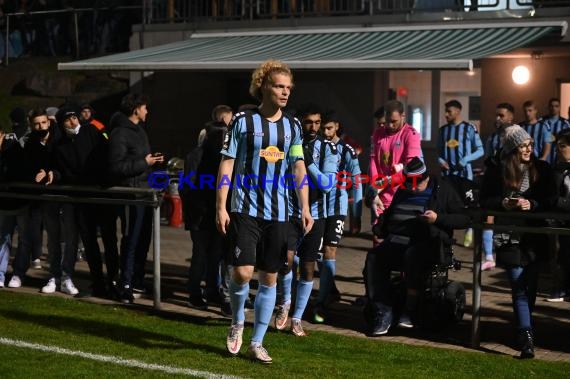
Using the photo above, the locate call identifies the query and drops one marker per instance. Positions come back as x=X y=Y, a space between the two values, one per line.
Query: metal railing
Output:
x=97 y=195
x=171 y=11
x=479 y=224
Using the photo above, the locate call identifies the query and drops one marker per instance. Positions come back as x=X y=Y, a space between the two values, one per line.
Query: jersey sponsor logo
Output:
x=452 y=143
x=386 y=157
x=271 y=154
x=258 y=134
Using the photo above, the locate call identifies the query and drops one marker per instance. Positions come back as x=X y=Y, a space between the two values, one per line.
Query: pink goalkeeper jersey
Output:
x=388 y=150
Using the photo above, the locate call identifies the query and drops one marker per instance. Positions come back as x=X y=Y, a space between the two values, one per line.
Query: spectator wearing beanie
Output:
x=517 y=181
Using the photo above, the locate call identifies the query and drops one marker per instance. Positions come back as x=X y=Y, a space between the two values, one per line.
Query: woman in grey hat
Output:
x=517 y=181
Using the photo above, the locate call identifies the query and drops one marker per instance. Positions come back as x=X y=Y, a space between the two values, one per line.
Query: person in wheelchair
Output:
x=416 y=232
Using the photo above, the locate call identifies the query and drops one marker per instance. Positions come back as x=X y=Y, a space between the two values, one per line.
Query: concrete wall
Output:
x=497 y=86
x=181 y=102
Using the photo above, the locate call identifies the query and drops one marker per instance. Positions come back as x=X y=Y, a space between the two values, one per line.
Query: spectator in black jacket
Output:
x=200 y=216
x=516 y=180
x=28 y=160
x=79 y=157
x=561 y=286
x=417 y=232
x=130 y=160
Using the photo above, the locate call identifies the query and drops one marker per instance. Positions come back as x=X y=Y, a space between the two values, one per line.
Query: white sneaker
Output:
x=49 y=287
x=37 y=264
x=15 y=282
x=2 y=283
x=68 y=287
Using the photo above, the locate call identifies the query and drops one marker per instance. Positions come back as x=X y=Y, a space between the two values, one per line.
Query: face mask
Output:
x=40 y=134
x=72 y=131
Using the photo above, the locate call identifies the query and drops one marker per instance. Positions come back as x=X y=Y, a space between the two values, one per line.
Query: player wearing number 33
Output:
x=322 y=164
x=337 y=210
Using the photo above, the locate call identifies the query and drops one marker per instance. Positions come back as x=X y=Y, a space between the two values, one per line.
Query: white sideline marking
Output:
x=114 y=360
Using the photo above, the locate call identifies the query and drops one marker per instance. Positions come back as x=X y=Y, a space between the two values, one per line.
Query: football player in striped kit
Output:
x=459 y=144
x=556 y=124
x=321 y=161
x=259 y=146
x=538 y=130
x=337 y=210
x=504 y=116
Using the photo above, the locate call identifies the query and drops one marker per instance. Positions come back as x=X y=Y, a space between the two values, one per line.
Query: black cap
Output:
x=65 y=113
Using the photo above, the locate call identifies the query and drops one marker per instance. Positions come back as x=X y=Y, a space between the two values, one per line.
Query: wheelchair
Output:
x=442 y=301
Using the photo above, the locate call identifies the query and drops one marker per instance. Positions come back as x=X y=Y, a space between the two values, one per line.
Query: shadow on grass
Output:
x=551 y=333
x=133 y=336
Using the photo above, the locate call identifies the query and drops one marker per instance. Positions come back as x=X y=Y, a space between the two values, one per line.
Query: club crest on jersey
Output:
x=271 y=154
x=452 y=143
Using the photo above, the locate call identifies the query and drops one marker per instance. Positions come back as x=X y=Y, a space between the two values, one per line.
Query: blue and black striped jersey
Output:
x=348 y=168
x=263 y=150
x=321 y=177
x=459 y=145
x=555 y=125
x=493 y=144
x=540 y=133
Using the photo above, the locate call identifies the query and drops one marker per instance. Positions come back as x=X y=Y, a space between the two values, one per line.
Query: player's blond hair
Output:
x=263 y=75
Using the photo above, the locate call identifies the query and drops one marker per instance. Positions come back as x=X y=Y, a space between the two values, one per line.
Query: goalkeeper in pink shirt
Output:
x=394 y=144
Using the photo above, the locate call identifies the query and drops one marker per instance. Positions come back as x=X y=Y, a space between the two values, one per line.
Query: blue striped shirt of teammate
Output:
x=257 y=142
x=538 y=130
x=504 y=117
x=337 y=210
x=556 y=124
x=321 y=160
x=459 y=143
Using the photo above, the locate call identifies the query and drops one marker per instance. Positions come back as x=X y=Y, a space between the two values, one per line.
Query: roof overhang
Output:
x=442 y=46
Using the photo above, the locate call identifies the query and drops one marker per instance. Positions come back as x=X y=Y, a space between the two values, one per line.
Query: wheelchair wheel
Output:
x=455 y=301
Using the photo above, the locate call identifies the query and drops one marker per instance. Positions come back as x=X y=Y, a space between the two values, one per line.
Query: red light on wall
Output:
x=402 y=92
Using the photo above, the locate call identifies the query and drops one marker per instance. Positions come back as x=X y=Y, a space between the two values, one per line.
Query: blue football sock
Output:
x=238 y=295
x=327 y=279
x=264 y=304
x=488 y=243
x=284 y=282
x=303 y=293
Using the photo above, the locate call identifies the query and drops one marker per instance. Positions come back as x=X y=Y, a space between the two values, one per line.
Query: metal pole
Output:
x=75 y=22
x=156 y=257
x=475 y=328
x=7 y=41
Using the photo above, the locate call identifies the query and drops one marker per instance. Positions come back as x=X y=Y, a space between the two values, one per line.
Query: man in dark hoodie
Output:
x=200 y=212
x=79 y=157
x=130 y=160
